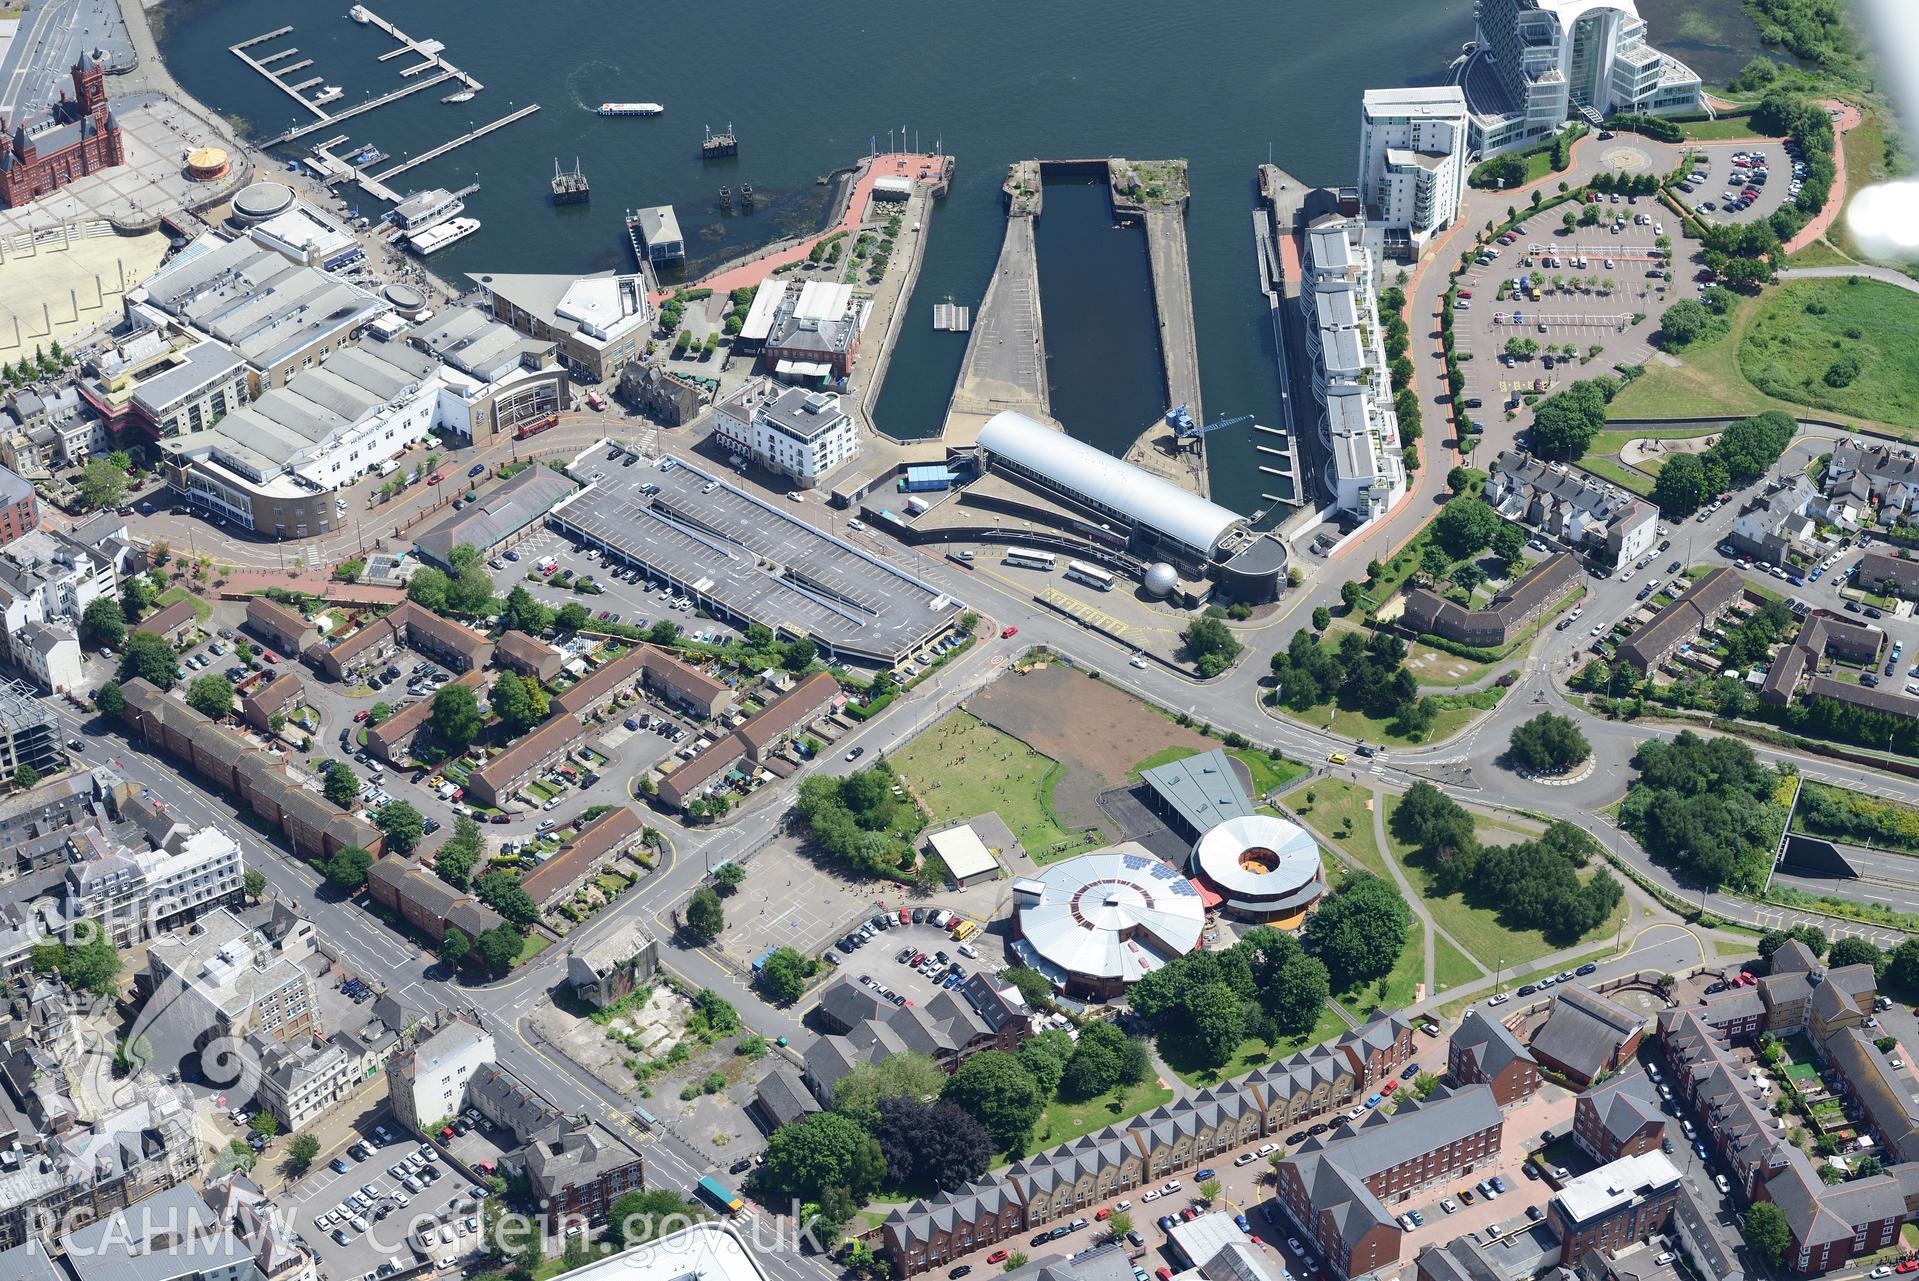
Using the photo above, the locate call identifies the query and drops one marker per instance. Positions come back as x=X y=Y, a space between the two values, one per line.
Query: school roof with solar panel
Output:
x=1114 y=915
x=746 y=559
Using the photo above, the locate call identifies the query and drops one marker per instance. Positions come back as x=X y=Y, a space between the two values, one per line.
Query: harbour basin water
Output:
x=1224 y=83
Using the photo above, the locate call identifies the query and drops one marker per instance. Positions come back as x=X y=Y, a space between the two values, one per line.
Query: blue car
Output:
x=1372 y=1100
x=1244 y=1226
x=1499 y=1184
x=339 y=1165
x=1202 y=1176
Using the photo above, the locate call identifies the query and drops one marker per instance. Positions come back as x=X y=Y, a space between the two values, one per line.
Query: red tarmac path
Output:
x=894 y=164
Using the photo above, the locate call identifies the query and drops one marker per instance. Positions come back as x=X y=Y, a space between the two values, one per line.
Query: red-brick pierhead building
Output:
x=77 y=136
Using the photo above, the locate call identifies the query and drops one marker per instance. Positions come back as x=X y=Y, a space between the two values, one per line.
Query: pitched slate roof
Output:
x=1583 y=1030
x=1491 y=1043
x=1624 y=1104
x=1885 y=1092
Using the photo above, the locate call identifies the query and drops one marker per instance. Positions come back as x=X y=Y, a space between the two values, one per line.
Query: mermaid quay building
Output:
x=76 y=137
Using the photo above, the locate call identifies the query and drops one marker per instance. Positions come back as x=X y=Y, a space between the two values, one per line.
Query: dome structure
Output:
x=1161 y=578
x=1263 y=868
x=1097 y=923
x=260 y=201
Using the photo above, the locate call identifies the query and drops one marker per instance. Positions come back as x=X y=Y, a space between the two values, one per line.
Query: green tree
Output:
x=729 y=876
x=265 y=1124
x=997 y=1090
x=102 y=484
x=1549 y=744
x=1680 y=488
x=783 y=975
x=571 y=617
x=1509 y=542
x=349 y=570
x=500 y=947
x=1351 y=595
x=456 y=717
x=342 y=785
x=1322 y=618
x=301 y=1151
x=254 y=882
x=25 y=776
x=457 y=855
x=502 y=891
x=151 y=659
x=1854 y=950
x=403 y=826
x=522 y=613
x=638 y=1217
x=911 y=1076
x=136 y=597
x=1465 y=526
x=347 y=869
x=211 y=695
x=110 y=699
x=1360 y=929
x=1903 y=965
x=705 y=915
x=1685 y=323
x=1767 y=1232
x=820 y=1151
x=1212 y=645
x=89 y=961
x=455 y=946
x=102 y=623
x=519 y=702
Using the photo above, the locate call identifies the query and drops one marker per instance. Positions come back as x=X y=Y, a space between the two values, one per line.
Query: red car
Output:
x=436 y=478
x=1389 y=1087
x=1009 y=632
x=997 y=1256
x=1910 y=1265
x=270 y=656
x=1465 y=293
x=1163 y=1274
x=359 y=716
x=1102 y=1214
x=906 y=916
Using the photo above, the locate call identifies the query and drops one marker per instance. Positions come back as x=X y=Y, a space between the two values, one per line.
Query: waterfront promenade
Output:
x=928 y=171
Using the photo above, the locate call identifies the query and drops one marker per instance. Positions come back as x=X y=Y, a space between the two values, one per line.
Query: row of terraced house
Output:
x=1060 y=1182
x=1718 y=1077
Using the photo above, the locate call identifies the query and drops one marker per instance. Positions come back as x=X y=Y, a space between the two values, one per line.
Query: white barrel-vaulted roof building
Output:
x=1163 y=519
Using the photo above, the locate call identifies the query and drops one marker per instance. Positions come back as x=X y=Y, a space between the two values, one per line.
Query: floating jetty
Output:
x=460 y=141
x=719 y=144
x=569 y=186
x=431 y=69
x=951 y=318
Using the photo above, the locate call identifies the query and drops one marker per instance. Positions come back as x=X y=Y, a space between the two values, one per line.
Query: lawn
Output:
x=1401 y=983
x=1063 y=1121
x=1339 y=813
x=1020 y=792
x=1820 y=253
x=1719 y=130
x=1865 y=148
x=1608 y=467
x=1804 y=326
x=1451 y=967
x=201 y=609
x=1711 y=379
x=1362 y=728
x=1253 y=1052
x=1494 y=944
x=531 y=946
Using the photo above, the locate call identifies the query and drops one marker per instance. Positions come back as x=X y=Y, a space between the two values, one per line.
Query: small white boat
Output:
x=360 y=14
x=436 y=238
x=631 y=108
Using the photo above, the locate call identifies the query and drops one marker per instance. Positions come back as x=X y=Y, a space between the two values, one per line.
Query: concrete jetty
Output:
x=1154 y=192
x=1005 y=363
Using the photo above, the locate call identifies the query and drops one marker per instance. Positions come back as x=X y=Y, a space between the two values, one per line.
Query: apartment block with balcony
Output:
x=1536 y=64
x=1412 y=160
x=1339 y=295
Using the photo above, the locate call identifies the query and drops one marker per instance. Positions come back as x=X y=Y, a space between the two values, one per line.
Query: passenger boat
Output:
x=631 y=108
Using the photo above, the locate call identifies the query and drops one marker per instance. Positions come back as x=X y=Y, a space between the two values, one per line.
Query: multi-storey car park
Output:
x=746 y=561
